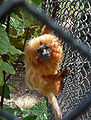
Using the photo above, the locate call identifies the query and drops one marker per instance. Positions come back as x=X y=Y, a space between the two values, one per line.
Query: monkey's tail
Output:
x=55 y=107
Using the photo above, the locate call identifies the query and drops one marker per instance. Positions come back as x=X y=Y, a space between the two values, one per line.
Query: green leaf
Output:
x=5 y=46
x=16 y=22
x=42 y=116
x=4 y=66
x=30 y=117
x=13 y=50
x=14 y=111
x=39 y=110
x=8 y=68
x=11 y=87
x=1 y=78
x=6 y=92
x=4 y=41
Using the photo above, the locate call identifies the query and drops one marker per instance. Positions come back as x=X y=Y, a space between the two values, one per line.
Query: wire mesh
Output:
x=75 y=17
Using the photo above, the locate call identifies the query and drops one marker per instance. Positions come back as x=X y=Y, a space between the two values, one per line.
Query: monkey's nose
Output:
x=45 y=56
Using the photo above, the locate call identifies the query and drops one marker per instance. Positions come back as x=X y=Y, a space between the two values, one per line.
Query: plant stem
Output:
x=4 y=59
x=3 y=91
x=26 y=38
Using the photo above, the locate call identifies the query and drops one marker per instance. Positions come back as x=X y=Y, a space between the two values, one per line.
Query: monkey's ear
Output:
x=46 y=30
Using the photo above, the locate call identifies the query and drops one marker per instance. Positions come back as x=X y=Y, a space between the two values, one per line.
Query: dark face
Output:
x=44 y=52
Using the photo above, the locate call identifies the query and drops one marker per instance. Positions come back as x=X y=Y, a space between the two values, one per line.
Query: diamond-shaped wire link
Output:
x=75 y=17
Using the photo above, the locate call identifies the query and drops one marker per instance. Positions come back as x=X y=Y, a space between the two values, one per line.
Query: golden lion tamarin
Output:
x=42 y=58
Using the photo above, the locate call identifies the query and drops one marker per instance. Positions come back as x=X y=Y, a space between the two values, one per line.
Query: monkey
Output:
x=43 y=56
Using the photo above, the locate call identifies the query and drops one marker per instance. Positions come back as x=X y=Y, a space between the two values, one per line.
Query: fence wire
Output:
x=74 y=16
x=7 y=115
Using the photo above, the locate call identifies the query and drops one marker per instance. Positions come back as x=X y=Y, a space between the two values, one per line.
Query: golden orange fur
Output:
x=46 y=30
x=42 y=75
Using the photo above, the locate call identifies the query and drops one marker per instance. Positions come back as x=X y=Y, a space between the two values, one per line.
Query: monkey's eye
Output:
x=47 y=47
x=40 y=50
x=42 y=47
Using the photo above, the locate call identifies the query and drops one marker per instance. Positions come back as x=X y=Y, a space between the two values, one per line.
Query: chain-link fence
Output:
x=75 y=18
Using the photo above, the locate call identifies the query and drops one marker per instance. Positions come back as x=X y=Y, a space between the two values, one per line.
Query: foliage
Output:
x=5 y=46
x=7 y=91
x=15 y=30
x=38 y=112
x=21 y=27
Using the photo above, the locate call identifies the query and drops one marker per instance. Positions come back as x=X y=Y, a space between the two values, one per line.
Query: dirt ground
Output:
x=21 y=96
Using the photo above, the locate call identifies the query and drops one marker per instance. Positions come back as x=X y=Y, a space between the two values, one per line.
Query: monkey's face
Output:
x=44 y=52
